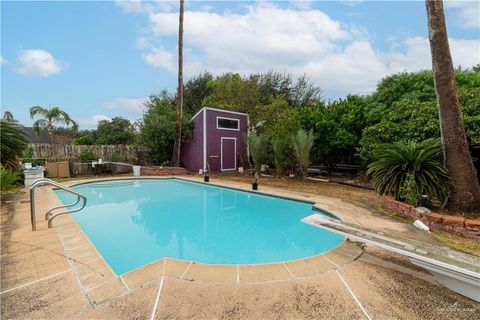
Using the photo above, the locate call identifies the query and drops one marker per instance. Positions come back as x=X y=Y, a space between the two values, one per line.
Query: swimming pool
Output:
x=135 y=222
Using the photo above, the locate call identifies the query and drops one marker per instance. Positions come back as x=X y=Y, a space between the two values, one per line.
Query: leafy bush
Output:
x=14 y=143
x=8 y=179
x=400 y=166
x=302 y=144
x=88 y=155
x=257 y=144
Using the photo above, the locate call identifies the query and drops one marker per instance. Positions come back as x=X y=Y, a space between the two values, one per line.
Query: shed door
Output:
x=229 y=154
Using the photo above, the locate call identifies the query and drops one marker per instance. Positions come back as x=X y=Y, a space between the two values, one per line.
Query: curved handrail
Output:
x=49 y=212
x=49 y=215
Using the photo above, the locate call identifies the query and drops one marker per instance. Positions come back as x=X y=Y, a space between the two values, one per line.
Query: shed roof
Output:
x=221 y=110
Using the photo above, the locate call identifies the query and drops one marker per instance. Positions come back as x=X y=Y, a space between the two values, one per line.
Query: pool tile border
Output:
x=100 y=284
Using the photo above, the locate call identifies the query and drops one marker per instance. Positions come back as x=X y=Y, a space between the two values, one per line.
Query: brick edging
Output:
x=459 y=225
x=162 y=171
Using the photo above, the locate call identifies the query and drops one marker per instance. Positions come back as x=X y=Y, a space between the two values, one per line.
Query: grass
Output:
x=459 y=243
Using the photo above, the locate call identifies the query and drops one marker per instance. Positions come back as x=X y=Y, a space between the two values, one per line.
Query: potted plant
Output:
x=257 y=147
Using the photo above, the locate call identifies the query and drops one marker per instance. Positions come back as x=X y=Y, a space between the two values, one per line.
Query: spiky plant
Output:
x=50 y=117
x=397 y=164
x=280 y=146
x=257 y=145
x=14 y=142
x=302 y=144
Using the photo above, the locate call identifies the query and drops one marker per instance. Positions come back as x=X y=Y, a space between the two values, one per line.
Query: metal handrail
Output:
x=49 y=215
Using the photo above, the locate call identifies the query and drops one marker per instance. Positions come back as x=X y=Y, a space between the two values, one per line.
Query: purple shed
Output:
x=218 y=139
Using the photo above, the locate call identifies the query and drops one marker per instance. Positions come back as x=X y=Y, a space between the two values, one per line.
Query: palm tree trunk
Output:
x=178 y=125
x=465 y=196
x=50 y=133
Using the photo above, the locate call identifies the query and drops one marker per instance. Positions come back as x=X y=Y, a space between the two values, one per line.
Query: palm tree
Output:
x=14 y=143
x=395 y=162
x=465 y=196
x=50 y=117
x=7 y=115
x=178 y=124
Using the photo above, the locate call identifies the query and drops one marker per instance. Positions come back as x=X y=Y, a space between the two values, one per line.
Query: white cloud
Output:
x=2 y=60
x=416 y=55
x=160 y=58
x=127 y=104
x=263 y=36
x=37 y=63
x=91 y=122
x=468 y=12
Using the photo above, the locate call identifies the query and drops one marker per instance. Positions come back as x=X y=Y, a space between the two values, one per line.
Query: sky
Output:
x=101 y=59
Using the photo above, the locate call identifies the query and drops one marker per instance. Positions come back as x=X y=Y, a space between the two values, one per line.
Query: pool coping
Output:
x=101 y=284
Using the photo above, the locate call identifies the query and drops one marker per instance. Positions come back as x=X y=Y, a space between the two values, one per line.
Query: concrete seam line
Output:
x=238 y=273
x=123 y=281
x=184 y=272
x=158 y=299
x=286 y=267
x=33 y=282
x=336 y=265
x=353 y=295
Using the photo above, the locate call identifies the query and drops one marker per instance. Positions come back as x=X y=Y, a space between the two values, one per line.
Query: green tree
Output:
x=50 y=118
x=157 y=128
x=337 y=128
x=116 y=131
x=411 y=119
x=14 y=142
x=195 y=91
x=85 y=137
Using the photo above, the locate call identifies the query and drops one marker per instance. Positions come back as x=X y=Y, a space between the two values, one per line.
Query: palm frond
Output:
x=14 y=142
x=423 y=161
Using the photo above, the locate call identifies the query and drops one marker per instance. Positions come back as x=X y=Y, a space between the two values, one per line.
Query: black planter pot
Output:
x=254 y=186
x=206 y=178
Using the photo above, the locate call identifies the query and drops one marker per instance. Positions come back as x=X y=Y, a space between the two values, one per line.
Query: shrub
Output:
x=280 y=146
x=87 y=155
x=410 y=171
x=257 y=144
x=302 y=144
x=8 y=179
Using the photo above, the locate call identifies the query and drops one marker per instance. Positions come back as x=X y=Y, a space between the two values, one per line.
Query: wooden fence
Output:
x=120 y=153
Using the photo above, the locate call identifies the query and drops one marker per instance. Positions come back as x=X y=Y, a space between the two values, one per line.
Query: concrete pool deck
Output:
x=57 y=274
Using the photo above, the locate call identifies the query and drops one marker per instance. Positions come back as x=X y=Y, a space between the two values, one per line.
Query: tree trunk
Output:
x=50 y=133
x=465 y=196
x=178 y=125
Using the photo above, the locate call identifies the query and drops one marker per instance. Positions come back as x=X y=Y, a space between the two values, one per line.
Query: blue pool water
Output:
x=135 y=222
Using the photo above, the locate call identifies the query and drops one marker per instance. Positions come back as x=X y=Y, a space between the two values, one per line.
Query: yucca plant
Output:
x=280 y=146
x=405 y=167
x=257 y=145
x=302 y=144
x=14 y=142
